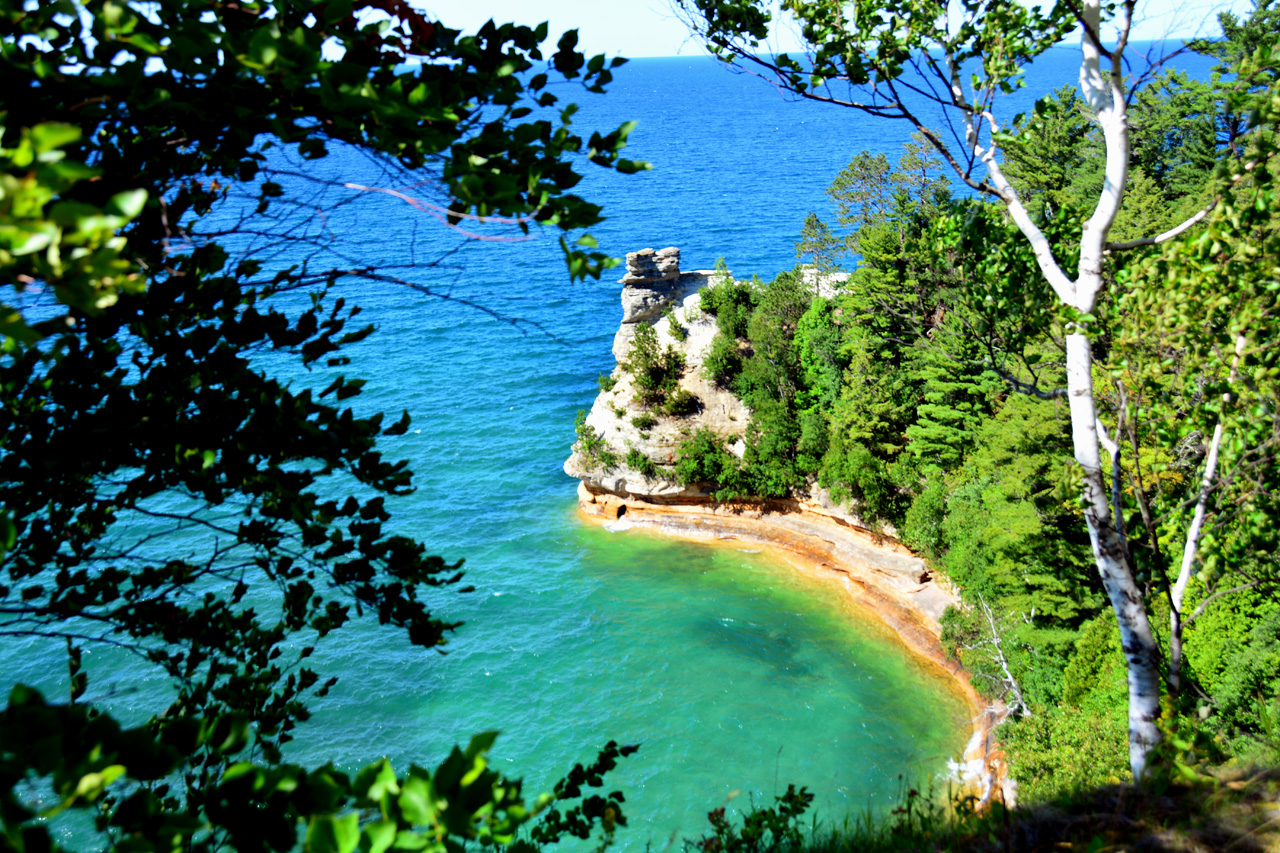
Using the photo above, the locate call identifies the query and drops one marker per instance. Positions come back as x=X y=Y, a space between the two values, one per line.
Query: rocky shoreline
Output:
x=814 y=534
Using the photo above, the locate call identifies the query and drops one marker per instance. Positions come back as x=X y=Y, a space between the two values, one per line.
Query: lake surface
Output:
x=733 y=671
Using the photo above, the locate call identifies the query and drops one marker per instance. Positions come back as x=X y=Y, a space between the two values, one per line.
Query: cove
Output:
x=733 y=671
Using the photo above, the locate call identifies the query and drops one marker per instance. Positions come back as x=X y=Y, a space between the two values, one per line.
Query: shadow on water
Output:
x=764 y=645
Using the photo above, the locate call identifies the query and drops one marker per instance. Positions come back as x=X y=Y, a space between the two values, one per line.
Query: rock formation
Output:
x=652 y=283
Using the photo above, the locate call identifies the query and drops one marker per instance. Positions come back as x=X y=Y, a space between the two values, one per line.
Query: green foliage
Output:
x=852 y=472
x=91 y=761
x=637 y=461
x=129 y=129
x=1058 y=752
x=764 y=830
x=1233 y=648
x=73 y=247
x=592 y=444
x=819 y=247
x=956 y=399
x=922 y=529
x=1053 y=157
x=681 y=403
x=729 y=301
x=644 y=421
x=605 y=383
x=655 y=371
x=723 y=361
x=819 y=338
x=703 y=458
x=1081 y=741
x=677 y=331
x=579 y=819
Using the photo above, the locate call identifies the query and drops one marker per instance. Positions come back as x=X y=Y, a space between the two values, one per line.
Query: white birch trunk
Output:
x=1141 y=654
x=1103 y=91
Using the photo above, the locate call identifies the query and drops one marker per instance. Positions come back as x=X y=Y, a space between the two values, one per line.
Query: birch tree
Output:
x=905 y=59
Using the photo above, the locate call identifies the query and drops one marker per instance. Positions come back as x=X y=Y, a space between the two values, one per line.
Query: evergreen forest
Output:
x=927 y=389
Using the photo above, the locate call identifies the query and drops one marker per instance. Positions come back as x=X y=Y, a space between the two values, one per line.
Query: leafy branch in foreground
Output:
x=90 y=760
x=164 y=227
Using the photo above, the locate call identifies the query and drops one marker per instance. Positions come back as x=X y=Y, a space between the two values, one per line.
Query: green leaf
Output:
x=417 y=800
x=328 y=834
x=50 y=135
x=127 y=204
x=630 y=167
x=379 y=836
x=263 y=47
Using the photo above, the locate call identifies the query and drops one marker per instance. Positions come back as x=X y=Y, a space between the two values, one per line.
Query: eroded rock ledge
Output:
x=815 y=533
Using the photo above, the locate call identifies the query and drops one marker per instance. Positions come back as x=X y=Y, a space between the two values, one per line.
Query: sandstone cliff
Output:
x=653 y=284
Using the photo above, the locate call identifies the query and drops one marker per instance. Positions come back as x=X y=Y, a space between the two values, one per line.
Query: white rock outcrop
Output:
x=653 y=284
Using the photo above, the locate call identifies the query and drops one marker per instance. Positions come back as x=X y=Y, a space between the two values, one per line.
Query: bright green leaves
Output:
x=329 y=834
x=586 y=264
x=1203 y=296
x=87 y=756
x=47 y=239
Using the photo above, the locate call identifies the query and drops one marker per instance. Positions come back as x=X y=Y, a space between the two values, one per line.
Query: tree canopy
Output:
x=161 y=490
x=1084 y=190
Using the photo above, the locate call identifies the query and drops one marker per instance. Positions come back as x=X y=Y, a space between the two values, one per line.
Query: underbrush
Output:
x=1229 y=809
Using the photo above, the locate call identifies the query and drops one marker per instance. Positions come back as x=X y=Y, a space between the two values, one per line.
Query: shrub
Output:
x=730 y=302
x=606 y=382
x=703 y=458
x=644 y=421
x=637 y=461
x=592 y=445
x=681 y=404
x=656 y=371
x=723 y=362
x=677 y=331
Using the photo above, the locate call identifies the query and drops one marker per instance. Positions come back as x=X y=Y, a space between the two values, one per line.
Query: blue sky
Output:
x=650 y=27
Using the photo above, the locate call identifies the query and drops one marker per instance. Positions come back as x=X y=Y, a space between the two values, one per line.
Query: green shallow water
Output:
x=734 y=671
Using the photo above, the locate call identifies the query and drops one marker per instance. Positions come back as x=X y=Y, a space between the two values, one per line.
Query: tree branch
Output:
x=1219 y=594
x=1206 y=483
x=1004 y=664
x=1191 y=221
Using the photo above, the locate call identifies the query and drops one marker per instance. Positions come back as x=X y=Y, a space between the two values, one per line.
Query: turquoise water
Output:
x=733 y=671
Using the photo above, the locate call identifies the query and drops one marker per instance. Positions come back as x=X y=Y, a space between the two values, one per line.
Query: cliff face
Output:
x=655 y=291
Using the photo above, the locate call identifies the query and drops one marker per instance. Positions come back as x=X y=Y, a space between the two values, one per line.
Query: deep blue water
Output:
x=731 y=670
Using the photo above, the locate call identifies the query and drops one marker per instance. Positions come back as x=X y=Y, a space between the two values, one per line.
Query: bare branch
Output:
x=1010 y=681
x=1185 y=572
x=1219 y=594
x=1191 y=221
